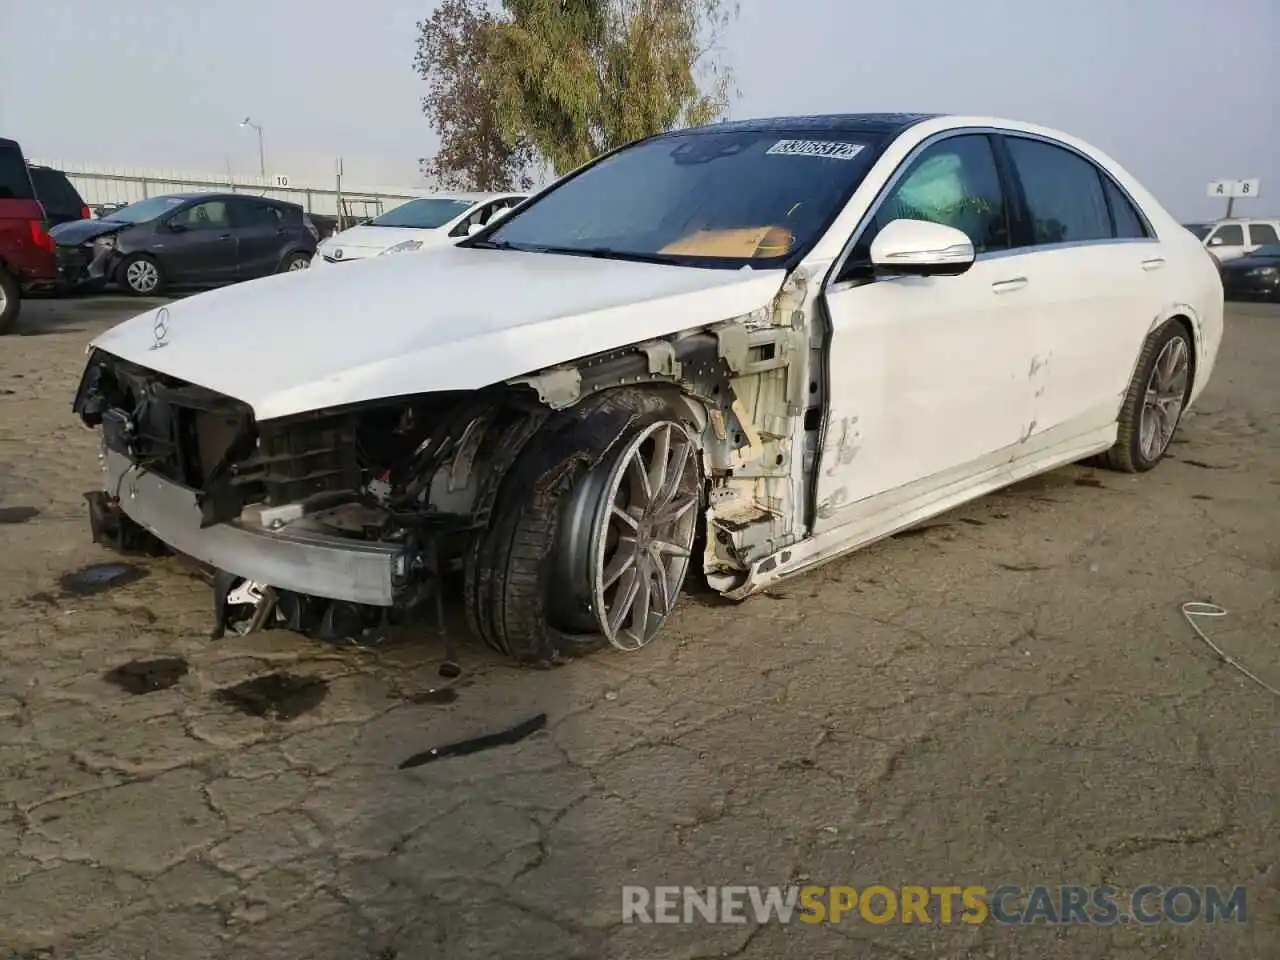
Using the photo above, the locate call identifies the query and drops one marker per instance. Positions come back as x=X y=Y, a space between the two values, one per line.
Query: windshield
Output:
x=424 y=214
x=1267 y=250
x=715 y=199
x=145 y=210
x=1201 y=230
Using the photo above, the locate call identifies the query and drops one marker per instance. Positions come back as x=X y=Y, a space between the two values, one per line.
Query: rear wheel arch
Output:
x=1126 y=454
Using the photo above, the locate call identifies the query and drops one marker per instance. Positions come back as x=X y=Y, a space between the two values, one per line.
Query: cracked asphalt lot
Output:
x=1009 y=696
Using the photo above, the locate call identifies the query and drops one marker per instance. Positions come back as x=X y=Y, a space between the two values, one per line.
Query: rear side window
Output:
x=250 y=214
x=15 y=182
x=1129 y=225
x=1261 y=233
x=55 y=192
x=1231 y=235
x=1064 y=194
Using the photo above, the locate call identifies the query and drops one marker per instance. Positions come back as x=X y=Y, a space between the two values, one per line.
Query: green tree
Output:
x=557 y=82
x=474 y=153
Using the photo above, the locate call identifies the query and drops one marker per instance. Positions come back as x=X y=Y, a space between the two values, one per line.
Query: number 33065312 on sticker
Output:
x=830 y=149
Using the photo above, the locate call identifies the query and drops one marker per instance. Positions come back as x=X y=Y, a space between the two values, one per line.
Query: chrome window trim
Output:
x=831 y=286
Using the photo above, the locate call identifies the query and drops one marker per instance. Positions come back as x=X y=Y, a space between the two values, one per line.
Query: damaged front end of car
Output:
x=344 y=520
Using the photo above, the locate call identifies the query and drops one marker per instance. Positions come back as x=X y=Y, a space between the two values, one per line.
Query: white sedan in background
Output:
x=417 y=225
x=798 y=335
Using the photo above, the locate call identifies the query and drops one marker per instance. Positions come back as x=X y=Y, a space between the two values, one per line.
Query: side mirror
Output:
x=474 y=228
x=1215 y=241
x=923 y=249
x=176 y=227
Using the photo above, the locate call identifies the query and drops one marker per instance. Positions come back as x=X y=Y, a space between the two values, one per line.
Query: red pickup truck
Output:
x=27 y=253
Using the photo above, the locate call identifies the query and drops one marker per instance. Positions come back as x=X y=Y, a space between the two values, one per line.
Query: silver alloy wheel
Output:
x=299 y=263
x=142 y=276
x=4 y=300
x=1162 y=404
x=643 y=538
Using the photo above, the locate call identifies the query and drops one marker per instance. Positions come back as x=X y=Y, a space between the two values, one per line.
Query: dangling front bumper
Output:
x=294 y=556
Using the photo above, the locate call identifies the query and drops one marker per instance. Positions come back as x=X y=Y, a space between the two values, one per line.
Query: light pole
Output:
x=262 y=162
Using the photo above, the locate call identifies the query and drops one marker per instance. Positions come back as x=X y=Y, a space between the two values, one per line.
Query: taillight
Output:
x=86 y=213
x=311 y=228
x=40 y=236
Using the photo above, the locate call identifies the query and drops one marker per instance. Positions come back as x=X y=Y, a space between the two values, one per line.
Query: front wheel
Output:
x=141 y=276
x=295 y=261
x=1155 y=400
x=592 y=534
x=10 y=300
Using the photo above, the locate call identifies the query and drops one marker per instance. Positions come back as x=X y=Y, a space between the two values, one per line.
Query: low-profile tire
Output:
x=295 y=261
x=10 y=300
x=141 y=276
x=528 y=574
x=1155 y=400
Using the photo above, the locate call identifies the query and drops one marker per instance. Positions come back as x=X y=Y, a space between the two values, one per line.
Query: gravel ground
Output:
x=1008 y=696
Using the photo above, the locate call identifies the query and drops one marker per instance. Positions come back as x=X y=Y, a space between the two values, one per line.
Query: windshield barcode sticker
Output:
x=832 y=150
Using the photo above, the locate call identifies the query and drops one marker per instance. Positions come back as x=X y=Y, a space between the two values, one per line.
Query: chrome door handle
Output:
x=1155 y=263
x=1008 y=286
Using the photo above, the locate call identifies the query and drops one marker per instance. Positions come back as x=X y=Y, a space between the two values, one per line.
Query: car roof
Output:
x=873 y=124
x=206 y=195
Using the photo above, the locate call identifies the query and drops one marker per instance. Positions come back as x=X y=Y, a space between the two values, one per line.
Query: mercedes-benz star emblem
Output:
x=160 y=329
x=337 y=254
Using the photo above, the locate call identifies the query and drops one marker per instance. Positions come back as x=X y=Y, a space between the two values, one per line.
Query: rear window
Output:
x=55 y=192
x=15 y=183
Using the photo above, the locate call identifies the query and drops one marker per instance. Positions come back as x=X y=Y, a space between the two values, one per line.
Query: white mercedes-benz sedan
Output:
x=420 y=224
x=749 y=348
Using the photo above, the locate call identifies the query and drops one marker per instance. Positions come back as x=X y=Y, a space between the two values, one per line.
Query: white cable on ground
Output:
x=1195 y=608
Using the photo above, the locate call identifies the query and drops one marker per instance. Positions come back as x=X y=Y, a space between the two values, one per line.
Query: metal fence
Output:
x=107 y=185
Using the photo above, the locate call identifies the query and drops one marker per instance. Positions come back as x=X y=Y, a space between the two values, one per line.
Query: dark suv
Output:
x=186 y=238
x=61 y=201
x=26 y=249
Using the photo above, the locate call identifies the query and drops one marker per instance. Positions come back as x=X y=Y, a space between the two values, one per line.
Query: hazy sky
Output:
x=1179 y=91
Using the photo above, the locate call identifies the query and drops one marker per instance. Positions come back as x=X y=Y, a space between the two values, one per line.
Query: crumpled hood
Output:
x=80 y=231
x=450 y=319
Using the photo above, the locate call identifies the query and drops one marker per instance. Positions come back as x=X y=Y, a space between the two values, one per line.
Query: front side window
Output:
x=954 y=182
x=210 y=215
x=1231 y=235
x=1064 y=193
x=721 y=199
x=429 y=213
x=1261 y=233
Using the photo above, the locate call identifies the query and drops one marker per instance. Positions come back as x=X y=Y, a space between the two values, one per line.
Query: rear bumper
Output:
x=293 y=557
